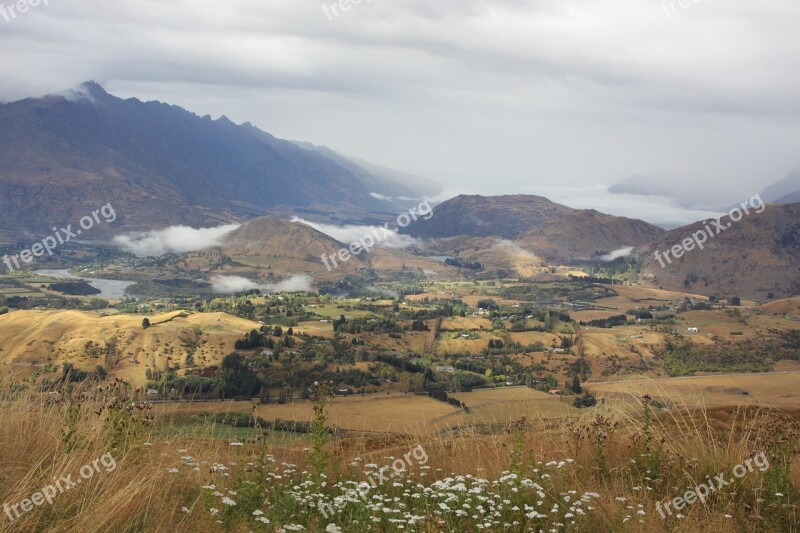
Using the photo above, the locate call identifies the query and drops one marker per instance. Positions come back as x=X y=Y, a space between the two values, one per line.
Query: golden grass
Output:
x=732 y=390
x=142 y=493
x=37 y=337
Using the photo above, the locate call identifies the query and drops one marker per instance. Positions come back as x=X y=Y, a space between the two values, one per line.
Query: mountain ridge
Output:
x=161 y=165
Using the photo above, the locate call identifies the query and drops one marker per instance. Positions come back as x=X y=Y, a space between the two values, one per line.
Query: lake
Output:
x=113 y=289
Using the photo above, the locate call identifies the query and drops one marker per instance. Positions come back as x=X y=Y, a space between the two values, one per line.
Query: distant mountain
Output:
x=644 y=186
x=63 y=156
x=752 y=258
x=793 y=198
x=586 y=235
x=683 y=192
x=398 y=187
x=785 y=191
x=487 y=216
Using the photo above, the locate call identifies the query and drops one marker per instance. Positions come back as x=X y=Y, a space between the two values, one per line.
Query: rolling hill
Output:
x=487 y=216
x=586 y=235
x=756 y=258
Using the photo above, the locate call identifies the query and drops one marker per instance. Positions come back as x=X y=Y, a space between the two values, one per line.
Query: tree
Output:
x=278 y=331
x=236 y=378
x=290 y=331
x=736 y=300
x=145 y=323
x=576 y=385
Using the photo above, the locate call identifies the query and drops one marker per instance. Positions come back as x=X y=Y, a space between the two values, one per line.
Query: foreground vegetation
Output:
x=603 y=469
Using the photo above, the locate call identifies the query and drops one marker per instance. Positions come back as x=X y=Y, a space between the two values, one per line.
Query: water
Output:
x=109 y=288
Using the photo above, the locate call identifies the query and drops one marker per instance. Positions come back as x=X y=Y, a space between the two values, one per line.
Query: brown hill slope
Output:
x=752 y=258
x=118 y=341
x=268 y=248
x=487 y=216
x=585 y=235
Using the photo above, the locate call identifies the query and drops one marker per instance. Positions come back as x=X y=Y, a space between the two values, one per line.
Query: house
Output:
x=555 y=391
x=557 y=350
x=152 y=392
x=693 y=330
x=445 y=368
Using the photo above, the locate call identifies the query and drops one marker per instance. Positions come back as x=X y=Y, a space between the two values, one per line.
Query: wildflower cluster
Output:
x=283 y=498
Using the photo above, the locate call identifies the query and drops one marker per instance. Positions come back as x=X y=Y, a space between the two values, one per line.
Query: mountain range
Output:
x=159 y=165
x=784 y=191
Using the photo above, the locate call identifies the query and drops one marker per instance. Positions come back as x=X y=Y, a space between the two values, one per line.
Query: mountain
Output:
x=398 y=187
x=684 y=192
x=785 y=191
x=644 y=186
x=586 y=235
x=487 y=216
x=753 y=258
x=159 y=165
x=793 y=198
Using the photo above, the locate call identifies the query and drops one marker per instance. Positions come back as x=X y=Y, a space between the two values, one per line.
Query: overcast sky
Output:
x=482 y=96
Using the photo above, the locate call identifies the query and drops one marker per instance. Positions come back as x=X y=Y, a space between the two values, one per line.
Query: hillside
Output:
x=160 y=165
x=753 y=258
x=88 y=339
x=487 y=216
x=586 y=235
x=270 y=248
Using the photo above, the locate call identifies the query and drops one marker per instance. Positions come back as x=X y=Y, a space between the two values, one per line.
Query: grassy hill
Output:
x=86 y=339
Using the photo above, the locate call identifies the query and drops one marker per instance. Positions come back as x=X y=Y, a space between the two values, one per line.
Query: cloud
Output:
x=513 y=249
x=232 y=284
x=473 y=93
x=175 y=239
x=77 y=94
x=352 y=233
x=616 y=254
x=658 y=210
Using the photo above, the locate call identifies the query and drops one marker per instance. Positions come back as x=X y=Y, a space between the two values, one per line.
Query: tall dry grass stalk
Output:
x=631 y=457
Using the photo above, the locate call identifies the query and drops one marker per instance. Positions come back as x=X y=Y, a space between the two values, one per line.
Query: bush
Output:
x=587 y=400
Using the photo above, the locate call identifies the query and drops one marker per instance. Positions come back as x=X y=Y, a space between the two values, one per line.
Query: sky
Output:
x=563 y=97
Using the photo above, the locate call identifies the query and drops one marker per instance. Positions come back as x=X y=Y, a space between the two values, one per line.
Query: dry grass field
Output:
x=468 y=323
x=399 y=413
x=30 y=338
x=780 y=390
x=786 y=306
